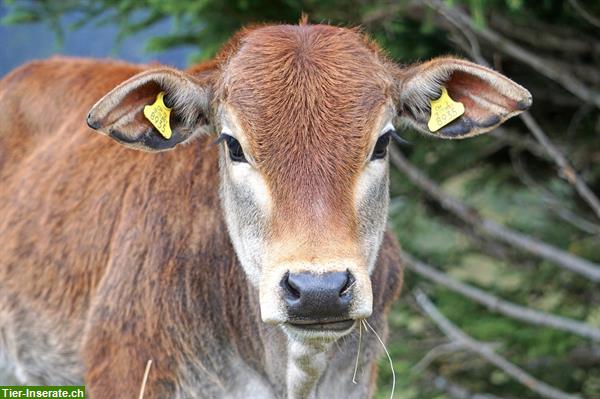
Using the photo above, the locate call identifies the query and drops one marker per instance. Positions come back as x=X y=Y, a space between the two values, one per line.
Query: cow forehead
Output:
x=295 y=82
x=308 y=99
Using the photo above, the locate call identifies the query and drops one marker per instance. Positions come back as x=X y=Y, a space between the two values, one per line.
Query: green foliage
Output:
x=480 y=171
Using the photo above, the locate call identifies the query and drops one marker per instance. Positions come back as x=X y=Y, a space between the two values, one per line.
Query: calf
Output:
x=236 y=268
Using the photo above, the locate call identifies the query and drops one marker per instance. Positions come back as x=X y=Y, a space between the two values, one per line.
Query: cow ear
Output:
x=125 y=112
x=471 y=99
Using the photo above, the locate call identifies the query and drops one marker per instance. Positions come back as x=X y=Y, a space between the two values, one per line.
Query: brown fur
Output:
x=323 y=136
x=111 y=257
x=100 y=244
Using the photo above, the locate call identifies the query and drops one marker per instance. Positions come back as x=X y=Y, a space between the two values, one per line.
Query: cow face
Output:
x=305 y=114
x=306 y=117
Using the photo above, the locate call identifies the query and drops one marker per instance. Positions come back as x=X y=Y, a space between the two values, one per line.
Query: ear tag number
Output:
x=158 y=114
x=443 y=111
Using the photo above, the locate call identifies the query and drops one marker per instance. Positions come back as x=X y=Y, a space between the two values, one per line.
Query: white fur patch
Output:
x=243 y=219
x=371 y=175
x=306 y=363
x=373 y=179
x=244 y=175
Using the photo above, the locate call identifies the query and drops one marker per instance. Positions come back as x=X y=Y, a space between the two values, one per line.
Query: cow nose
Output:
x=318 y=297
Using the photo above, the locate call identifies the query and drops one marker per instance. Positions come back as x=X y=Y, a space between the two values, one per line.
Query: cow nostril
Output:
x=290 y=289
x=347 y=288
x=318 y=297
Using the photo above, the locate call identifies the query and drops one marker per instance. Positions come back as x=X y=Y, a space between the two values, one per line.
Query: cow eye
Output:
x=233 y=147
x=380 y=150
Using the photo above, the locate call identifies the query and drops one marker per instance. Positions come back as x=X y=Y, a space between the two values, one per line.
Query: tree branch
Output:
x=437 y=351
x=584 y=14
x=465 y=25
x=566 y=170
x=498 y=305
x=553 y=39
x=485 y=351
x=543 y=66
x=455 y=391
x=521 y=142
x=548 y=198
x=493 y=229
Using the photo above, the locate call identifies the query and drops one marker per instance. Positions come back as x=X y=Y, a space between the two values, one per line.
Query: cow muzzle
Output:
x=319 y=301
x=316 y=300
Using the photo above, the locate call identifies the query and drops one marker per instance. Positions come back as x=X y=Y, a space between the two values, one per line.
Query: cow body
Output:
x=240 y=269
x=103 y=260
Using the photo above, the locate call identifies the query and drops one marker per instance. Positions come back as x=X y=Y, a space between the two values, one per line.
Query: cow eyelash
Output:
x=381 y=147
x=383 y=142
x=236 y=153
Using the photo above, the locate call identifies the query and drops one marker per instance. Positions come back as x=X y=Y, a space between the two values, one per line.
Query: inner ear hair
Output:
x=187 y=97
x=120 y=113
x=488 y=97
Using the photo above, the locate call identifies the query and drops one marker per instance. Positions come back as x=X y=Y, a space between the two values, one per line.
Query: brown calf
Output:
x=235 y=268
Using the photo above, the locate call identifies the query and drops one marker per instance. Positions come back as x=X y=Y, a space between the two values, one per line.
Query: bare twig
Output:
x=474 y=49
x=386 y=11
x=519 y=141
x=486 y=244
x=519 y=240
x=587 y=73
x=566 y=170
x=545 y=67
x=433 y=354
x=584 y=14
x=498 y=305
x=465 y=25
x=553 y=203
x=455 y=391
x=485 y=351
x=578 y=116
x=554 y=38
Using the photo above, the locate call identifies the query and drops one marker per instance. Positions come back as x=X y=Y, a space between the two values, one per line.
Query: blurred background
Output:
x=500 y=233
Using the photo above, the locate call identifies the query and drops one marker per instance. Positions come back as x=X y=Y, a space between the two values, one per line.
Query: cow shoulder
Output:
x=42 y=99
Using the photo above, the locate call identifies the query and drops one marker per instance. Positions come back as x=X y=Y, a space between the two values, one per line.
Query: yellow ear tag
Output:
x=158 y=114
x=443 y=111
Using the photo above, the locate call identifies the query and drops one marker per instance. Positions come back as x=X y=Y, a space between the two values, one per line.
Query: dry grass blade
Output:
x=145 y=379
x=357 y=353
x=368 y=326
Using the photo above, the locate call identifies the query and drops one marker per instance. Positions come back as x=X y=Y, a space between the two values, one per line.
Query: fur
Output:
x=112 y=257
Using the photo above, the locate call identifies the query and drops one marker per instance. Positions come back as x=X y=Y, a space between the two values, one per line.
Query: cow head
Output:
x=304 y=114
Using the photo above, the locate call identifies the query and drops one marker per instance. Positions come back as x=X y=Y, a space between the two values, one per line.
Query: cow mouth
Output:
x=323 y=326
